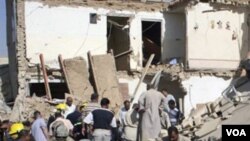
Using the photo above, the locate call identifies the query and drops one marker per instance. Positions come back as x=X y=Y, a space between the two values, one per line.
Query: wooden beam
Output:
x=63 y=71
x=45 y=77
x=124 y=53
x=91 y=66
x=144 y=73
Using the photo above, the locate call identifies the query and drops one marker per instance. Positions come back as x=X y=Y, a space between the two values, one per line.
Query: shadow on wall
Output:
x=5 y=89
x=173 y=87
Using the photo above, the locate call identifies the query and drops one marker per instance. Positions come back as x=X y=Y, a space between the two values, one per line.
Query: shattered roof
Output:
x=136 y=5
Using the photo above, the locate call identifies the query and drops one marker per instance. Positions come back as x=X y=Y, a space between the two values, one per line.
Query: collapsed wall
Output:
x=5 y=91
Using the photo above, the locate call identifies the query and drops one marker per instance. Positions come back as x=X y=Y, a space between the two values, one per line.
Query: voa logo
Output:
x=236 y=132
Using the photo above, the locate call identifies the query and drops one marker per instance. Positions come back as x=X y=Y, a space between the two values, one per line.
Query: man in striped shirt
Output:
x=92 y=105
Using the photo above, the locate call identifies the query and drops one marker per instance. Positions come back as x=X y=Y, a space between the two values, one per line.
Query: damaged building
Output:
x=198 y=46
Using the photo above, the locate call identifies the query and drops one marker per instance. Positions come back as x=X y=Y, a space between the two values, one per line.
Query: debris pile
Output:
x=206 y=118
x=25 y=106
x=80 y=83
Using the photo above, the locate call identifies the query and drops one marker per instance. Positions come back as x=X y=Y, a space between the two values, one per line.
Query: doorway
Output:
x=151 y=37
x=118 y=40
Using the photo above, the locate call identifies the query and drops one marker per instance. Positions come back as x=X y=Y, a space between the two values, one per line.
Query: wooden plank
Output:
x=64 y=72
x=93 y=71
x=45 y=77
x=106 y=83
x=144 y=73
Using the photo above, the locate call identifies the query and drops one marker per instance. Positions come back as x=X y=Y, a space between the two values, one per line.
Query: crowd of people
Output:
x=154 y=117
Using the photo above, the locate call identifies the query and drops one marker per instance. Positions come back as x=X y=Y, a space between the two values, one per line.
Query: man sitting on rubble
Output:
x=173 y=135
x=61 y=128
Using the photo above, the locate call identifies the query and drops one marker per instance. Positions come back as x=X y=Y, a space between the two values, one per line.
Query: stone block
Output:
x=208 y=127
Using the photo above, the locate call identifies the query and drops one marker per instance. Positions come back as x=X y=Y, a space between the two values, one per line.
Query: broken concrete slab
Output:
x=208 y=127
x=78 y=78
x=187 y=123
x=200 y=111
x=106 y=82
x=223 y=102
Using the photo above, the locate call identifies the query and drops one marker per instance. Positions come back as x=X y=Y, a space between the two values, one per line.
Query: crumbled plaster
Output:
x=115 y=4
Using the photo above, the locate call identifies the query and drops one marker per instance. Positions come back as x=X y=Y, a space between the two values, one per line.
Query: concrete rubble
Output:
x=207 y=118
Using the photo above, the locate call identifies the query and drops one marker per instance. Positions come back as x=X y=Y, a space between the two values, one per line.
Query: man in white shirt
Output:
x=168 y=97
x=122 y=120
x=70 y=107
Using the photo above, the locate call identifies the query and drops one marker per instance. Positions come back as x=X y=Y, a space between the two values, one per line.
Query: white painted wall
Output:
x=202 y=90
x=63 y=30
x=174 y=42
x=67 y=31
x=213 y=47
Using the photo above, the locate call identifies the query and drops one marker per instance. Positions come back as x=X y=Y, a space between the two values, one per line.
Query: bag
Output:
x=60 y=129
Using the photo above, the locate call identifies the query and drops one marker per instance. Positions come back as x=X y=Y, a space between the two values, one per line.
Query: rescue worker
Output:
x=60 y=108
x=17 y=132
